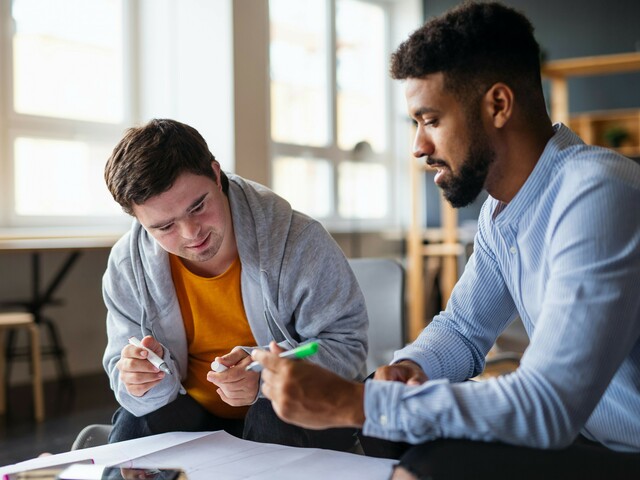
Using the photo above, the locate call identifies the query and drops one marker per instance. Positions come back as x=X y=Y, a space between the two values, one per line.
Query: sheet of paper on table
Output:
x=203 y=454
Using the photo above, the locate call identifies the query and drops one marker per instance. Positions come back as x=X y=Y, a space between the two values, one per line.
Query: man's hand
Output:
x=137 y=373
x=404 y=371
x=308 y=395
x=236 y=386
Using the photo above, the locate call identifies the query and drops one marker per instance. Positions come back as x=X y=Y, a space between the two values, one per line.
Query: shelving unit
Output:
x=592 y=126
x=447 y=249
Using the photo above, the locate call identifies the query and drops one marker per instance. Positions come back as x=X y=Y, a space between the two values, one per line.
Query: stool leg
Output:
x=38 y=396
x=56 y=349
x=3 y=380
x=10 y=354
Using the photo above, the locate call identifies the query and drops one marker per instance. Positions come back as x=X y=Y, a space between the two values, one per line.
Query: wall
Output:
x=580 y=28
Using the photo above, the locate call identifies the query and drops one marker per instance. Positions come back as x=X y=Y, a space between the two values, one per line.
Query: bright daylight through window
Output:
x=329 y=99
x=65 y=109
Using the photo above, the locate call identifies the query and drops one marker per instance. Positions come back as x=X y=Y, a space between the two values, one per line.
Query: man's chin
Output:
x=460 y=199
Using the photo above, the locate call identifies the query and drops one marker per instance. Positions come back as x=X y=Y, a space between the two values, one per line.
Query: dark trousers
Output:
x=454 y=459
x=261 y=424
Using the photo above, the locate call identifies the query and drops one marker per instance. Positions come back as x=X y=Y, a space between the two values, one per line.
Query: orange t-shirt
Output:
x=215 y=322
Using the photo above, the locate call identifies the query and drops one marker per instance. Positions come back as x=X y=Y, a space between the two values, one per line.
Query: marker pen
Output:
x=152 y=357
x=218 y=367
x=302 y=351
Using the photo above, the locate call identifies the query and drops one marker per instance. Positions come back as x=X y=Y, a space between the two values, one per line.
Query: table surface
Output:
x=29 y=240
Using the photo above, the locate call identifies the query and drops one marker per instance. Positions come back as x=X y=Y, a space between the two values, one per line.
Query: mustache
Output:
x=435 y=162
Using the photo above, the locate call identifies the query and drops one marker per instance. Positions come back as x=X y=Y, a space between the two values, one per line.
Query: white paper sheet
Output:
x=207 y=455
x=223 y=456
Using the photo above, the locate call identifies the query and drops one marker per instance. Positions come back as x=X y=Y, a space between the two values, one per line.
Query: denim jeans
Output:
x=261 y=424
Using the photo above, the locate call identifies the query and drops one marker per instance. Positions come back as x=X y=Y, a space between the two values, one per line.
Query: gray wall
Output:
x=581 y=28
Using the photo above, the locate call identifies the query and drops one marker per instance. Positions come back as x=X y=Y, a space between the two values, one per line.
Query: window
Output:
x=330 y=131
x=64 y=108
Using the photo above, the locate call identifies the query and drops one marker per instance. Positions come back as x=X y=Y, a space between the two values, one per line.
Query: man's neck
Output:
x=517 y=154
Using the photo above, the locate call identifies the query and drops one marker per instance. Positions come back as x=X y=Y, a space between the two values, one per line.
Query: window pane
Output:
x=59 y=177
x=298 y=56
x=361 y=74
x=362 y=190
x=306 y=183
x=68 y=60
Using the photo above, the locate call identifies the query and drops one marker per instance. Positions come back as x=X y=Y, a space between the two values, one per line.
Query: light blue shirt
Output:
x=564 y=254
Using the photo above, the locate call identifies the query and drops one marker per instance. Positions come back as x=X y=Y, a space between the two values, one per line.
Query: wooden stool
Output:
x=10 y=320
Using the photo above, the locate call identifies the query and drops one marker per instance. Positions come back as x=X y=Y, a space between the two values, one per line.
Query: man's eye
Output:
x=198 y=208
x=165 y=228
x=432 y=122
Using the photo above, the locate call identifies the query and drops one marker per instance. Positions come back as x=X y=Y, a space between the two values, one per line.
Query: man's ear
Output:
x=498 y=103
x=216 y=169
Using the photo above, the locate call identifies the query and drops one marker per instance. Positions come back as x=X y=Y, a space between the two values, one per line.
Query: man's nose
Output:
x=422 y=144
x=189 y=229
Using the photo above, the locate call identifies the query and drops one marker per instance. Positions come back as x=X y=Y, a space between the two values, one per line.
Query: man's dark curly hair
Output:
x=149 y=159
x=474 y=45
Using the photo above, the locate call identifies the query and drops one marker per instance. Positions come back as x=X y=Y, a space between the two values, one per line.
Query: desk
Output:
x=35 y=242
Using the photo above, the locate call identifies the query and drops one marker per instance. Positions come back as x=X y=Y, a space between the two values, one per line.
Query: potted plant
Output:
x=615 y=136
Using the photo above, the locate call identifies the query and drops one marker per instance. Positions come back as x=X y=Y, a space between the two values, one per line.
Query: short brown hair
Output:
x=149 y=159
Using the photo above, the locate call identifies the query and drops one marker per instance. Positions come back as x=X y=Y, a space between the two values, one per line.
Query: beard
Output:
x=462 y=189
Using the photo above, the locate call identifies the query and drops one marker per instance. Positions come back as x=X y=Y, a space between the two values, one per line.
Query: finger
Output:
x=236 y=400
x=152 y=344
x=140 y=378
x=131 y=351
x=138 y=390
x=418 y=378
x=136 y=365
x=384 y=373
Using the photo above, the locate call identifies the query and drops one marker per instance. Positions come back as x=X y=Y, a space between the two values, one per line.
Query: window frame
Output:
x=15 y=124
x=332 y=153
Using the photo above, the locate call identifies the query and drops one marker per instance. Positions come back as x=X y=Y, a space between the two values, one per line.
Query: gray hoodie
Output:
x=296 y=284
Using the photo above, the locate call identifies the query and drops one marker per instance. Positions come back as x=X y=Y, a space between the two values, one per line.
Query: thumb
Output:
x=233 y=357
x=153 y=345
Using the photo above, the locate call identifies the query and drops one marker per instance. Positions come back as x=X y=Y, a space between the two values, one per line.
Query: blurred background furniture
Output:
x=11 y=321
x=43 y=295
x=92 y=436
x=382 y=283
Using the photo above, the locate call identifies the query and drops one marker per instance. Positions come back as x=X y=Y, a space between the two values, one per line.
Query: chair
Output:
x=92 y=436
x=16 y=320
x=382 y=283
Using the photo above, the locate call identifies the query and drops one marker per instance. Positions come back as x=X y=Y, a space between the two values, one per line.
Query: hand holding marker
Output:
x=302 y=351
x=152 y=357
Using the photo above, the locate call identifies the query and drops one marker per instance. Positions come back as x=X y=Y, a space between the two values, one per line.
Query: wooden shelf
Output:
x=593 y=126
x=599 y=65
x=558 y=71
